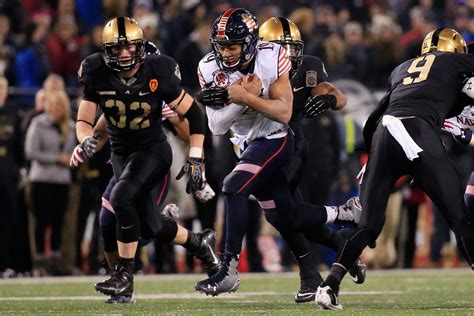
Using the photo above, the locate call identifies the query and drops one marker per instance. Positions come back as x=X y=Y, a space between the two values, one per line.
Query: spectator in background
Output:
x=411 y=41
x=94 y=43
x=52 y=83
x=113 y=8
x=11 y=155
x=464 y=21
x=67 y=8
x=7 y=50
x=356 y=52
x=64 y=49
x=32 y=64
x=49 y=143
x=190 y=52
x=385 y=49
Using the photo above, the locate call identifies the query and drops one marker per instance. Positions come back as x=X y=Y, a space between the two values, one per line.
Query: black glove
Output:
x=89 y=145
x=318 y=104
x=212 y=96
x=193 y=167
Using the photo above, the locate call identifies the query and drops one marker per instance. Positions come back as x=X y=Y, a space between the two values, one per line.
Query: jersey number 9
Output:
x=422 y=70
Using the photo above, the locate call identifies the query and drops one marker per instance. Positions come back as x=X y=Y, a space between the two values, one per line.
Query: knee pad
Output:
x=107 y=223
x=123 y=199
x=168 y=230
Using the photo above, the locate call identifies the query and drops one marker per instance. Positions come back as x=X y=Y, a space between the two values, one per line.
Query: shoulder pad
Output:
x=90 y=64
x=162 y=65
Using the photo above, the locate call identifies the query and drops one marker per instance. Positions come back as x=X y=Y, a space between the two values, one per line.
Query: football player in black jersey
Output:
x=402 y=137
x=312 y=95
x=130 y=90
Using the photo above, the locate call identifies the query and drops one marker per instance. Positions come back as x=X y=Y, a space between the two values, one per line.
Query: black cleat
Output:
x=225 y=280
x=357 y=271
x=206 y=252
x=305 y=294
x=121 y=299
x=120 y=283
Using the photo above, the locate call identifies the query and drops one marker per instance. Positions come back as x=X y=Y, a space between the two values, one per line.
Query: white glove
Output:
x=461 y=134
x=78 y=156
x=468 y=88
x=172 y=211
x=451 y=126
x=205 y=194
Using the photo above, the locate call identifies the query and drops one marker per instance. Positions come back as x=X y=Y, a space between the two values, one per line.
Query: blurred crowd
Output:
x=48 y=212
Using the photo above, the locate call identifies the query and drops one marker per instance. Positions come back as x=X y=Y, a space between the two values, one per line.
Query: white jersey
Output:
x=465 y=120
x=271 y=62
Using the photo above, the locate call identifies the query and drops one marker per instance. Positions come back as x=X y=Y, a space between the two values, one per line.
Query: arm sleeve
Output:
x=221 y=120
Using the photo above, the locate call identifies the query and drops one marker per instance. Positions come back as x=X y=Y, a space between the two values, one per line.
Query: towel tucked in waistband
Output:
x=399 y=132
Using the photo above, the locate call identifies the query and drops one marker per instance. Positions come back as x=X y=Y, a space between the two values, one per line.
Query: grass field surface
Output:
x=391 y=292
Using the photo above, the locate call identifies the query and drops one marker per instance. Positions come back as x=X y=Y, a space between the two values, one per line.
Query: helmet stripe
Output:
x=286 y=28
x=223 y=22
x=435 y=37
x=121 y=28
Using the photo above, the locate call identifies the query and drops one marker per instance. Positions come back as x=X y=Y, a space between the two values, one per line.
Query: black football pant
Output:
x=108 y=219
x=131 y=197
x=295 y=169
x=432 y=170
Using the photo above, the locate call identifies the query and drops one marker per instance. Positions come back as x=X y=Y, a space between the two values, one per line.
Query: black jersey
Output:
x=133 y=111
x=309 y=75
x=429 y=86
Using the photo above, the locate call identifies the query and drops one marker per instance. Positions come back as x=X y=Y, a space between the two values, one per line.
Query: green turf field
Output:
x=409 y=292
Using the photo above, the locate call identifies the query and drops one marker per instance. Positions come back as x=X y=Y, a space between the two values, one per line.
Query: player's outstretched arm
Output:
x=329 y=88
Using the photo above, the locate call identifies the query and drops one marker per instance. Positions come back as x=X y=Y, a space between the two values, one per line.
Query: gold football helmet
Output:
x=444 y=40
x=119 y=32
x=283 y=31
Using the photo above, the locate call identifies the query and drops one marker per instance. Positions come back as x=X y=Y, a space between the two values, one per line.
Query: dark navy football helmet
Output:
x=235 y=26
x=151 y=49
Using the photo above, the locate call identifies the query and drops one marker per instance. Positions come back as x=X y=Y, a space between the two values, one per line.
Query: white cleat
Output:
x=327 y=299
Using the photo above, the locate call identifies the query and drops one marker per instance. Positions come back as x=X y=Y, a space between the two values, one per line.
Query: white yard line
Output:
x=240 y=295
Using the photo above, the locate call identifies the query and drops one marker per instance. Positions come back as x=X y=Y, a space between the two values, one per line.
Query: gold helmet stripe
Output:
x=122 y=34
x=286 y=28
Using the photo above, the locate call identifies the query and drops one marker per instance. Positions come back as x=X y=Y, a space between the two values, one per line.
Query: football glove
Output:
x=212 y=96
x=205 y=194
x=468 y=87
x=172 y=211
x=460 y=134
x=318 y=104
x=78 y=156
x=89 y=145
x=193 y=168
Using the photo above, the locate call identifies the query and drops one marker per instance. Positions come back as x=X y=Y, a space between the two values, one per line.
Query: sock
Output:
x=192 y=242
x=309 y=276
x=127 y=263
x=332 y=213
x=335 y=276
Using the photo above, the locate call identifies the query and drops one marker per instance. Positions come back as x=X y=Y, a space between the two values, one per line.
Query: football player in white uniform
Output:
x=246 y=89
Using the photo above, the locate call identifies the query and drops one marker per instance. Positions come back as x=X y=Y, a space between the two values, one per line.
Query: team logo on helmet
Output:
x=153 y=84
x=220 y=78
x=247 y=18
